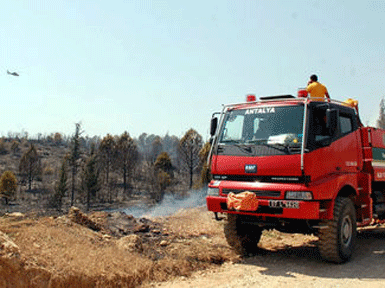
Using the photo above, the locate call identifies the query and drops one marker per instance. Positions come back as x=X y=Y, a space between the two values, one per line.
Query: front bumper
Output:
x=306 y=209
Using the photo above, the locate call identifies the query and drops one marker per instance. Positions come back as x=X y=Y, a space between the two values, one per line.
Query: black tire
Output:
x=338 y=238
x=242 y=237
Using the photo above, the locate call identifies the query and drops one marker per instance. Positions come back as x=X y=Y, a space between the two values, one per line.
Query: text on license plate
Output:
x=284 y=204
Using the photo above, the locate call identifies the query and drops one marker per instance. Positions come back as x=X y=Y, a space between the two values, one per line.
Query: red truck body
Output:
x=298 y=171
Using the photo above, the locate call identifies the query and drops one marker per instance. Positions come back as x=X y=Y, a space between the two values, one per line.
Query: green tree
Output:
x=30 y=165
x=163 y=163
x=90 y=179
x=163 y=180
x=8 y=185
x=381 y=118
x=127 y=157
x=163 y=172
x=189 y=147
x=74 y=159
x=61 y=187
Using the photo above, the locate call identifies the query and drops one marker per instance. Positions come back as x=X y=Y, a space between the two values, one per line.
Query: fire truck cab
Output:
x=311 y=164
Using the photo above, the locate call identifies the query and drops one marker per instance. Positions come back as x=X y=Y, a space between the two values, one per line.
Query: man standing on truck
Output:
x=316 y=89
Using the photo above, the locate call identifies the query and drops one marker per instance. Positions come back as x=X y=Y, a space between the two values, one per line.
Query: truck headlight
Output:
x=299 y=195
x=213 y=191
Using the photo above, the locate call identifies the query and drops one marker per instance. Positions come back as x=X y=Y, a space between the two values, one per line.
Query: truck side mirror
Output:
x=213 y=125
x=332 y=116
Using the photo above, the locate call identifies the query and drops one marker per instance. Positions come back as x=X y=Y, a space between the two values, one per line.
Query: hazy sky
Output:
x=165 y=66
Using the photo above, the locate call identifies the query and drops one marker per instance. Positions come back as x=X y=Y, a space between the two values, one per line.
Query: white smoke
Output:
x=169 y=205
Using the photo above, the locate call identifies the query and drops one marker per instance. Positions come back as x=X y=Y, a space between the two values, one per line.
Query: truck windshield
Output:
x=279 y=128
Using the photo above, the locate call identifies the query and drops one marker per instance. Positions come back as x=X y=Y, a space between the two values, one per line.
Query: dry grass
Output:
x=58 y=253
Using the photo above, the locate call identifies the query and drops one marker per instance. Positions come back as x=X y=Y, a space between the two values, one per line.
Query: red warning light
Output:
x=251 y=98
x=302 y=93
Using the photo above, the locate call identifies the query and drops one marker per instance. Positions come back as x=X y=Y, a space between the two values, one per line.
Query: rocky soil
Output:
x=187 y=249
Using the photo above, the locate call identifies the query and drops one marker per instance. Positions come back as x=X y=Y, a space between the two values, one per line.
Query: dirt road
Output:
x=298 y=266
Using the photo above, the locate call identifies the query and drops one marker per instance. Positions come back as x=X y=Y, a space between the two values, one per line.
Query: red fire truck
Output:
x=312 y=166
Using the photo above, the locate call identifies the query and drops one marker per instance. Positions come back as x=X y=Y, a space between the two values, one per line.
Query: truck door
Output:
x=334 y=151
x=347 y=145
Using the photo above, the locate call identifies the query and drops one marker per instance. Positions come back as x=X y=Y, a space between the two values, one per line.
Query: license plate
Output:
x=284 y=204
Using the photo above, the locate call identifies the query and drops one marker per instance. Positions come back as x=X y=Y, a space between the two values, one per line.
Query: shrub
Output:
x=8 y=185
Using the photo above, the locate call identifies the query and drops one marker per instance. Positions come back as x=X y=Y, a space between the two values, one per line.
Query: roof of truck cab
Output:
x=281 y=100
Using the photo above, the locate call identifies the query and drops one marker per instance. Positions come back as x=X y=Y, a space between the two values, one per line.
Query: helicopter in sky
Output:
x=12 y=73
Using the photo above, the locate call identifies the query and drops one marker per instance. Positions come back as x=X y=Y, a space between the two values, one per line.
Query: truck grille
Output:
x=261 y=209
x=259 y=193
x=272 y=178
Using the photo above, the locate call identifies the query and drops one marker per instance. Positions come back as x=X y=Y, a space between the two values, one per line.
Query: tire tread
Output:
x=241 y=239
x=328 y=243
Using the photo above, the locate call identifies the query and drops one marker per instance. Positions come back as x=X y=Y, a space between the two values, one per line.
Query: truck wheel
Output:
x=242 y=237
x=337 y=239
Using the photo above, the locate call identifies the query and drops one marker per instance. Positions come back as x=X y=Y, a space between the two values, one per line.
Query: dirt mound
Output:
x=7 y=246
x=107 y=249
x=79 y=217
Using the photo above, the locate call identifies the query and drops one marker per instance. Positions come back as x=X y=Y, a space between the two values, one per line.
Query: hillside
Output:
x=125 y=171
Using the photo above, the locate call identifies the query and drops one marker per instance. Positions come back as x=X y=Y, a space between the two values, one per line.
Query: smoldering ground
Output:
x=169 y=205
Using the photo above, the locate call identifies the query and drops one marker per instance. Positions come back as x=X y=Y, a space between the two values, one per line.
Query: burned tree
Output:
x=189 y=147
x=107 y=153
x=90 y=179
x=30 y=166
x=127 y=157
x=145 y=147
x=381 y=118
x=204 y=165
x=156 y=148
